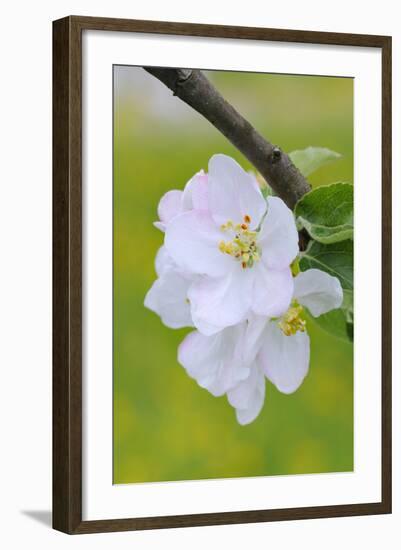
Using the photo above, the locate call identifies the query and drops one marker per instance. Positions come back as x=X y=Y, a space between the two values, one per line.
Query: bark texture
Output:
x=192 y=87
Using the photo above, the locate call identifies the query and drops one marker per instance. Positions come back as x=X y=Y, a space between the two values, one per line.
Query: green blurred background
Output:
x=165 y=426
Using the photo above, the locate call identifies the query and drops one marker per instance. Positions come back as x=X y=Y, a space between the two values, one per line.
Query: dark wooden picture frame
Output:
x=67 y=274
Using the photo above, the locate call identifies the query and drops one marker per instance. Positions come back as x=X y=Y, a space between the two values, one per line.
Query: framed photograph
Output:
x=222 y=275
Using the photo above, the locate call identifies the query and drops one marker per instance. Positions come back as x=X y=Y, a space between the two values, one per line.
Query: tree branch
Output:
x=192 y=87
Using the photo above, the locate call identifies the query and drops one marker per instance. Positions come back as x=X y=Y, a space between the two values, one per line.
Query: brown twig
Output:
x=192 y=87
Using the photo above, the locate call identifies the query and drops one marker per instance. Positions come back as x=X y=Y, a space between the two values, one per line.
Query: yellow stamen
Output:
x=227 y=226
x=243 y=246
x=229 y=248
x=291 y=322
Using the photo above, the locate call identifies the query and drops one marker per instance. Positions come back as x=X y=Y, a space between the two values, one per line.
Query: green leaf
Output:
x=339 y=322
x=335 y=323
x=310 y=159
x=337 y=260
x=348 y=301
x=327 y=213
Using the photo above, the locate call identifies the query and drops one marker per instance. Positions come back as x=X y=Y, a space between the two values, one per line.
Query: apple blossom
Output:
x=225 y=270
x=237 y=360
x=240 y=247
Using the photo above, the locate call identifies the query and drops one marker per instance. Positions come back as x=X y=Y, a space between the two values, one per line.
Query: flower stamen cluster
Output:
x=243 y=247
x=291 y=322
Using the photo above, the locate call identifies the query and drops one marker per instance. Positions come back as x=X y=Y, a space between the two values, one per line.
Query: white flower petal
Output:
x=163 y=261
x=233 y=193
x=284 y=359
x=253 y=336
x=168 y=298
x=222 y=302
x=272 y=291
x=160 y=225
x=200 y=193
x=215 y=362
x=169 y=205
x=206 y=328
x=318 y=291
x=278 y=235
x=246 y=416
x=195 y=195
x=248 y=396
x=192 y=240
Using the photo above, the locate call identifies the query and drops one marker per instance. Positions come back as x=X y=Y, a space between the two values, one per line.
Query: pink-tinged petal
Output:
x=169 y=205
x=195 y=195
x=222 y=302
x=200 y=193
x=214 y=361
x=233 y=193
x=318 y=291
x=168 y=298
x=278 y=237
x=272 y=291
x=192 y=240
x=248 y=396
x=284 y=359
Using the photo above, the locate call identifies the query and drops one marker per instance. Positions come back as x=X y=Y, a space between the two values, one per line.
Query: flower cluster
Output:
x=225 y=269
